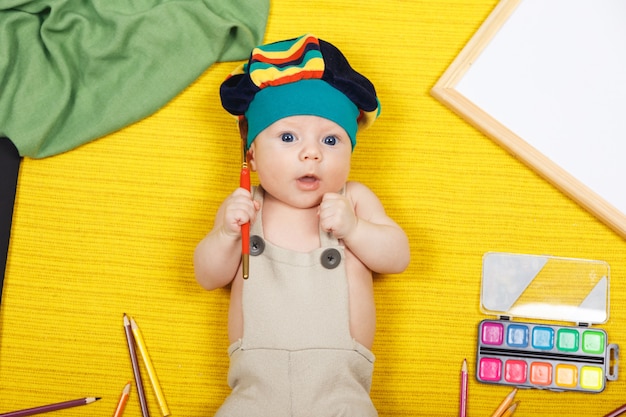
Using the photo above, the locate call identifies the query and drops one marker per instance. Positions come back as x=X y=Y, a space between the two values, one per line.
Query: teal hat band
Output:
x=312 y=97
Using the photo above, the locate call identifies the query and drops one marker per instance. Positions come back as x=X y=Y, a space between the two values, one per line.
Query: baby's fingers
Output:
x=239 y=210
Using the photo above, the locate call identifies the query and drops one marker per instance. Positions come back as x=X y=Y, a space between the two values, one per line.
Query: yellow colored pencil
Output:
x=509 y=411
x=506 y=403
x=150 y=368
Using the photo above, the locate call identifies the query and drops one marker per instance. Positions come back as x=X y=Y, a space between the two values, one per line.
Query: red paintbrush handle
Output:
x=244 y=179
x=245 y=239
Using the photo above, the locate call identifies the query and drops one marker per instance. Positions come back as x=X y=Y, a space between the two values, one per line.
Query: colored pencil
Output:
x=506 y=403
x=244 y=182
x=463 y=394
x=50 y=407
x=151 y=372
x=133 y=360
x=509 y=411
x=617 y=412
x=121 y=404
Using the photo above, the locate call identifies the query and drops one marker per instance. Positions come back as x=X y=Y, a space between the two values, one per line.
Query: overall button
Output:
x=331 y=258
x=257 y=245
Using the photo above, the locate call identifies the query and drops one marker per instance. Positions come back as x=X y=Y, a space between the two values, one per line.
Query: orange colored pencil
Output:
x=121 y=404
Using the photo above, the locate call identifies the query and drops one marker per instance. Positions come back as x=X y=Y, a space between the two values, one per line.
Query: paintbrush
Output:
x=244 y=182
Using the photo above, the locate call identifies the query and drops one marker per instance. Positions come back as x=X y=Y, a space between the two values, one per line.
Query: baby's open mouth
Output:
x=308 y=178
x=309 y=182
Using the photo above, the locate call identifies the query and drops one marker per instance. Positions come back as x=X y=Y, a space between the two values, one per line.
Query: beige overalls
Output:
x=296 y=357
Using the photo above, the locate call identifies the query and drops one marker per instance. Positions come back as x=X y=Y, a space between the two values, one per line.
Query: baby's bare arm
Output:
x=359 y=219
x=217 y=257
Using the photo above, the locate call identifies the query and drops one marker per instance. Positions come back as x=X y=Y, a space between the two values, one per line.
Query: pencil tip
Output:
x=98 y=398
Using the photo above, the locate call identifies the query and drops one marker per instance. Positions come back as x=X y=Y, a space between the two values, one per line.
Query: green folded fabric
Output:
x=74 y=70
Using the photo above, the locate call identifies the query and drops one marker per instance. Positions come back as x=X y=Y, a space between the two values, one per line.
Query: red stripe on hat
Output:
x=260 y=57
x=302 y=75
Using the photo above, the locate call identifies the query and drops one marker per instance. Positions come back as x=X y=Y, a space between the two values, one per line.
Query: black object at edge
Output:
x=9 y=168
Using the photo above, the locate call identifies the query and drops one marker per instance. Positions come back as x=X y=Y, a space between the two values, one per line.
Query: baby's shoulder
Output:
x=355 y=190
x=365 y=202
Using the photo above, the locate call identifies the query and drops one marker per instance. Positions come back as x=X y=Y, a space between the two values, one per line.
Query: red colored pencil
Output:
x=50 y=407
x=617 y=412
x=135 y=364
x=463 y=395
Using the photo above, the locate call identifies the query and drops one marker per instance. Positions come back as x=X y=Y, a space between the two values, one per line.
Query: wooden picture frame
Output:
x=546 y=80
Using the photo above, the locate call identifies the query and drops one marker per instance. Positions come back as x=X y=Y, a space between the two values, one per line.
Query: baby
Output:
x=302 y=325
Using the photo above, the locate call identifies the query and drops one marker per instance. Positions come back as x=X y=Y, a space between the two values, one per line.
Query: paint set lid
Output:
x=545 y=287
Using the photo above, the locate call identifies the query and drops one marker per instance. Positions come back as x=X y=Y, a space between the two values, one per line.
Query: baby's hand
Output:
x=238 y=209
x=337 y=215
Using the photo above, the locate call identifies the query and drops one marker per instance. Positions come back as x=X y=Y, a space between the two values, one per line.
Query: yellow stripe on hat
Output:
x=241 y=69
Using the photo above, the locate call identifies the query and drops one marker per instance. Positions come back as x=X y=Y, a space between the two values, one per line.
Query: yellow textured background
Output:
x=110 y=228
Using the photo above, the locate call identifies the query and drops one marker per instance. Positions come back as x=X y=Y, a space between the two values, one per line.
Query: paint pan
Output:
x=545 y=354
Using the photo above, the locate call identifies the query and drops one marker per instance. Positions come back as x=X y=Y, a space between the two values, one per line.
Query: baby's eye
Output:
x=330 y=140
x=287 y=137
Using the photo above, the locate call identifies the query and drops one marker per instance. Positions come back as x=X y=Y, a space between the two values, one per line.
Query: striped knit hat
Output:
x=301 y=76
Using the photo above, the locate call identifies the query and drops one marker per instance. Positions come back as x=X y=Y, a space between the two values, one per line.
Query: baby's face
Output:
x=300 y=158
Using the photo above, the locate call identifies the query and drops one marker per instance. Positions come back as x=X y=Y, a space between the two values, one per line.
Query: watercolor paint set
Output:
x=548 y=353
